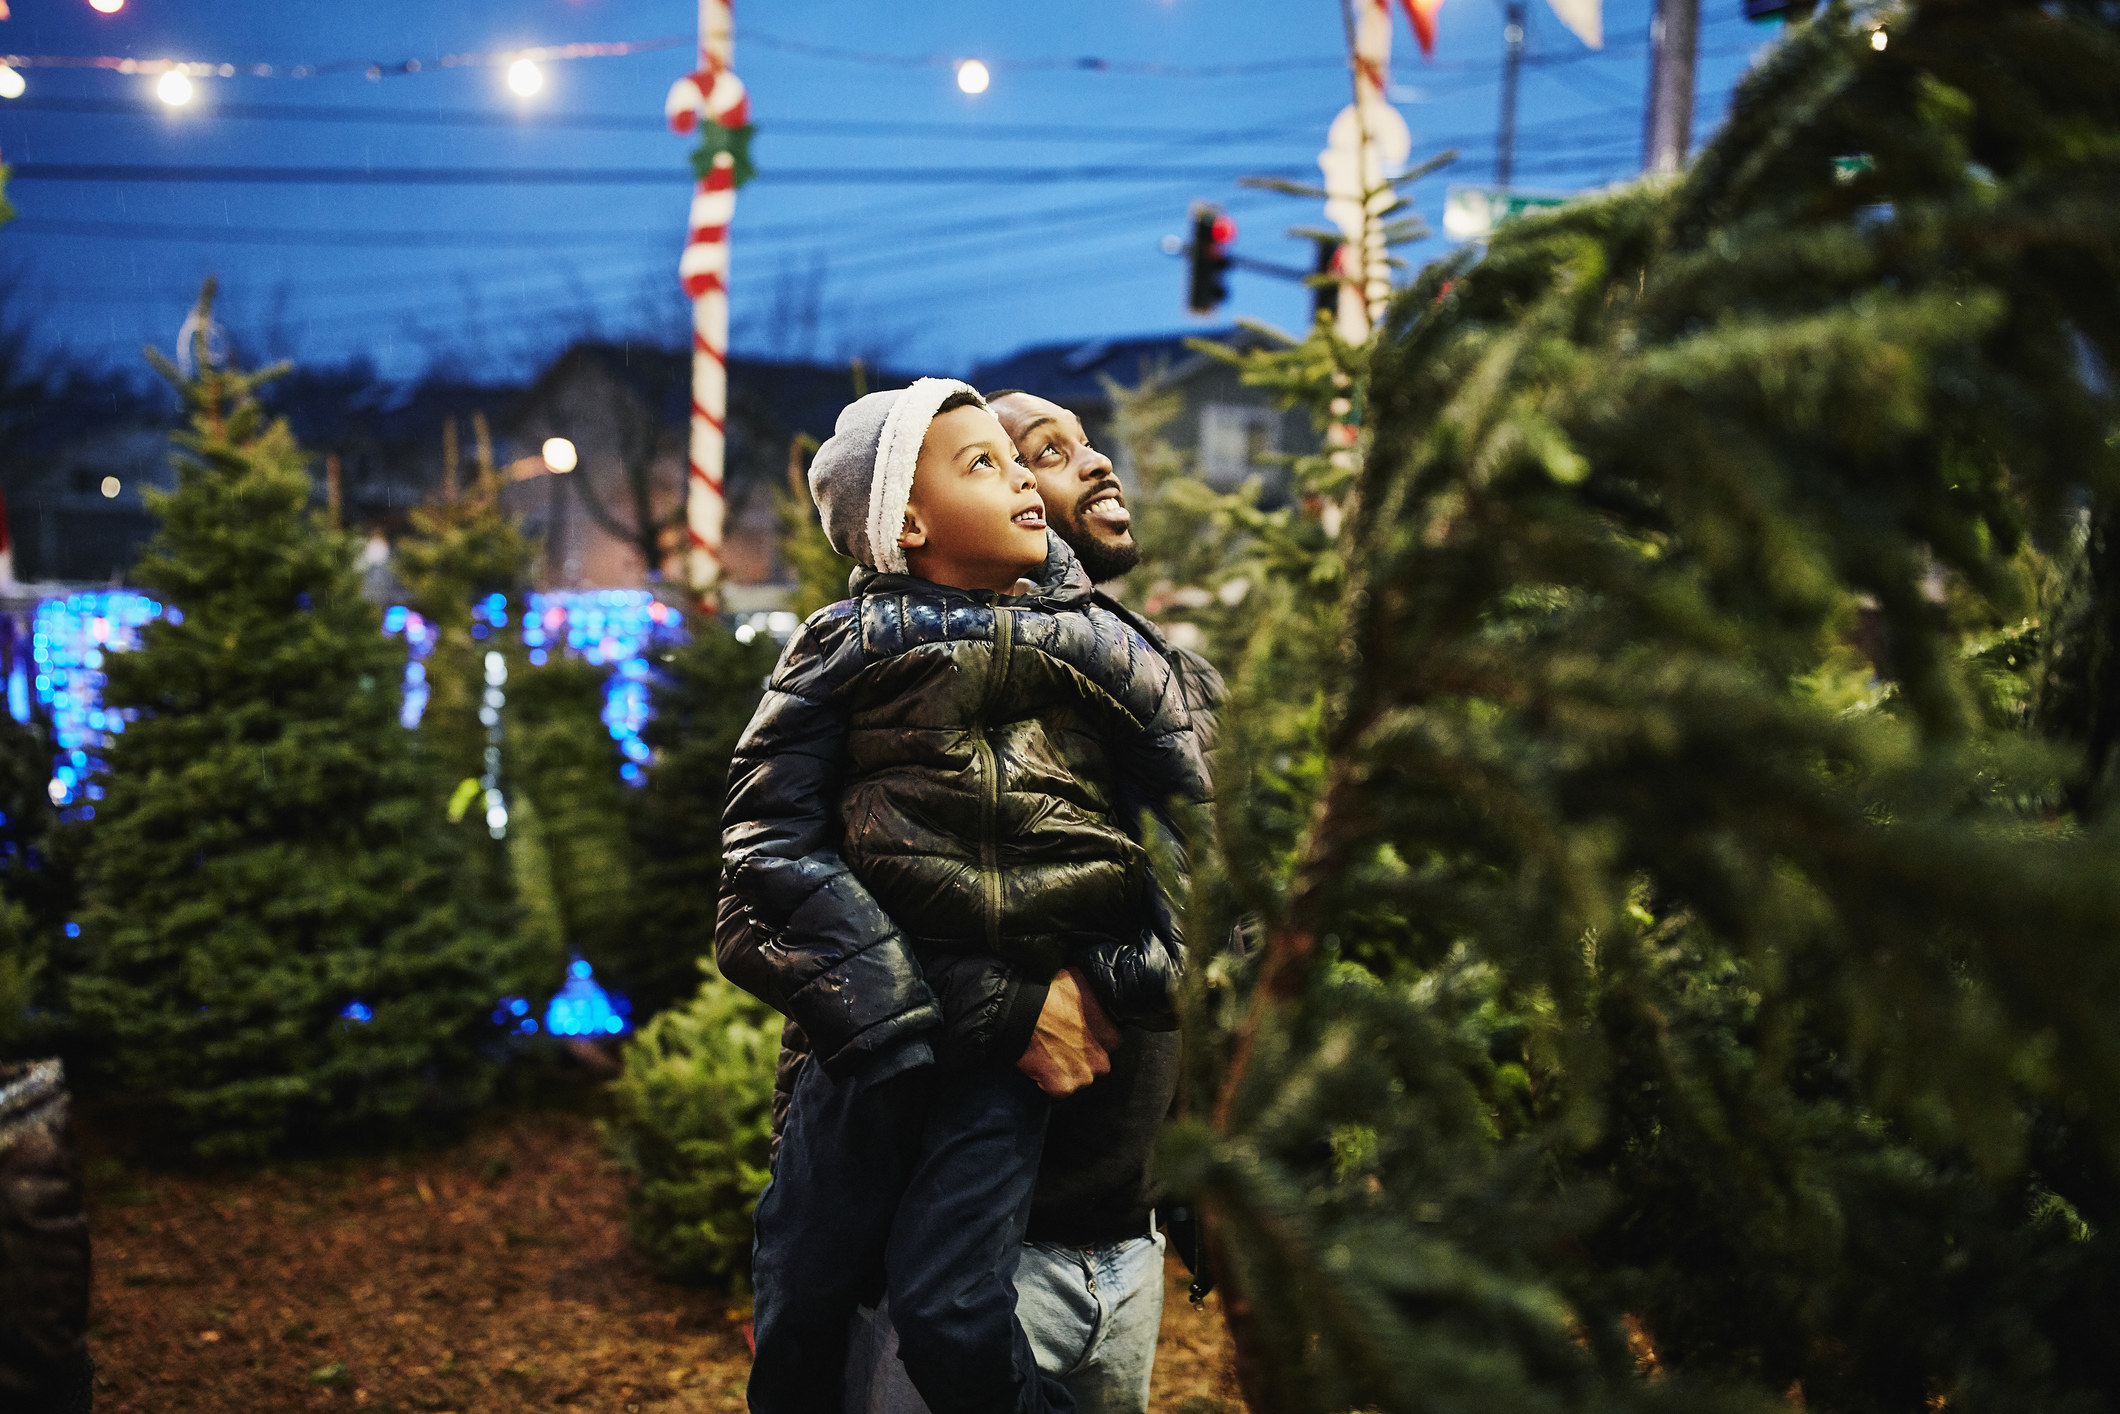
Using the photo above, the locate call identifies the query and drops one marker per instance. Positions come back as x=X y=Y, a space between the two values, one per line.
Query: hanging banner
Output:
x=1585 y=19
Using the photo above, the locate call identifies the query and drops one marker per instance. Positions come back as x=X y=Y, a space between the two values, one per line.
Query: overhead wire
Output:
x=603 y=176
x=768 y=126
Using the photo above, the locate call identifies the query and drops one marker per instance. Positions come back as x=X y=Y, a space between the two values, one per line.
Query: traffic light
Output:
x=1325 y=289
x=1208 y=259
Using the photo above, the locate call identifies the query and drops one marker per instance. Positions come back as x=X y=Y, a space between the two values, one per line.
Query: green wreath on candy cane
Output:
x=718 y=96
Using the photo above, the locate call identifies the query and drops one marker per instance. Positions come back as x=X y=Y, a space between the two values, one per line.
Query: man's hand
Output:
x=1074 y=1040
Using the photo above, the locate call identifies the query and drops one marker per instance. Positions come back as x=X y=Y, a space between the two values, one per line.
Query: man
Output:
x=1089 y=1288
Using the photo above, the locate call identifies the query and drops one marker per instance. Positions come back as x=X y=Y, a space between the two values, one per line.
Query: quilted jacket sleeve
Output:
x=820 y=947
x=990 y=1009
x=1137 y=982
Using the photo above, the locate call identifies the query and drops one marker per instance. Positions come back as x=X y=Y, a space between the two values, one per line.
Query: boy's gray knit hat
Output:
x=862 y=477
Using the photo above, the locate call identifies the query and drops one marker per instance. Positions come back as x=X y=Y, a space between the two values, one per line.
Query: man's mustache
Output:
x=1110 y=484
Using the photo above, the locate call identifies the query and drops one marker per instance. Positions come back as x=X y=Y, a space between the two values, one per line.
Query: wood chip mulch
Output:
x=494 y=1275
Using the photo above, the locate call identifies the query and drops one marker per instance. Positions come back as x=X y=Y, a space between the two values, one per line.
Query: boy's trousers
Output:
x=918 y=1187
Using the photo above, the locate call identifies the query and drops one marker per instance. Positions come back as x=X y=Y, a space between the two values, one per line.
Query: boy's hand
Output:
x=1074 y=1040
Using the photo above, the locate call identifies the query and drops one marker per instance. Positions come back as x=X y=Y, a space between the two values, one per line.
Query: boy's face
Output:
x=974 y=520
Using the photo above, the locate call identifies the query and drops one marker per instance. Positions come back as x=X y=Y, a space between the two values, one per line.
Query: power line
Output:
x=625 y=122
x=1082 y=64
x=299 y=235
x=613 y=176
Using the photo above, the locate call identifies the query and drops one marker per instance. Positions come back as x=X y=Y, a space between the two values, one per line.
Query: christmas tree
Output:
x=465 y=566
x=39 y=892
x=568 y=808
x=703 y=693
x=1689 y=976
x=273 y=950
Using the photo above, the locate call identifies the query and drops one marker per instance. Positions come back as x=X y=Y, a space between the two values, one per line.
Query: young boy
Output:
x=936 y=793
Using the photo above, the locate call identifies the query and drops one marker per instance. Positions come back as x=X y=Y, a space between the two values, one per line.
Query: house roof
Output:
x=1073 y=372
x=799 y=397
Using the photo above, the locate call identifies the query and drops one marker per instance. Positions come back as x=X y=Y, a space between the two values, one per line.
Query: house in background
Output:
x=78 y=515
x=1233 y=431
x=73 y=469
x=626 y=408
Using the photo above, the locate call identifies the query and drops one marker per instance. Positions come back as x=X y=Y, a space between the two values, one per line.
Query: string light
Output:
x=174 y=89
x=373 y=69
x=525 y=77
x=1879 y=39
x=111 y=488
x=64 y=671
x=106 y=7
x=972 y=76
x=11 y=84
x=560 y=454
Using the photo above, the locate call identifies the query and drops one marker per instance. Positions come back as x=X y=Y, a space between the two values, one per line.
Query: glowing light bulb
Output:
x=174 y=89
x=106 y=7
x=111 y=488
x=560 y=455
x=1879 y=39
x=972 y=76
x=525 y=77
x=11 y=84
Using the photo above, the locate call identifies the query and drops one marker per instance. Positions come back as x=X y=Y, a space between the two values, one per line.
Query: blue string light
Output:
x=68 y=641
x=620 y=628
x=616 y=628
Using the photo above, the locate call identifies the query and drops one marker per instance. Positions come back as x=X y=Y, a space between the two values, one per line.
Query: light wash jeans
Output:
x=1091 y=1313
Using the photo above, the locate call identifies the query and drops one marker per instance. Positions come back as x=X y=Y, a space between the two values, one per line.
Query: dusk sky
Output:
x=894 y=216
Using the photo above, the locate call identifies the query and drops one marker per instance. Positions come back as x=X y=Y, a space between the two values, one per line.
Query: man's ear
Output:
x=913 y=536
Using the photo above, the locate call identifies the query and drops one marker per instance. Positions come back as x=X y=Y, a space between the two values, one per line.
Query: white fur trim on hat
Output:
x=897 y=455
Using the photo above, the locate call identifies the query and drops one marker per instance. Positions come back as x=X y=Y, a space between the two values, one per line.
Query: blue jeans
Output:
x=1092 y=1314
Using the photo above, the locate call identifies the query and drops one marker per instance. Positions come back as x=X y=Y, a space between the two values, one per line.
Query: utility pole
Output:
x=1512 y=64
x=1674 y=42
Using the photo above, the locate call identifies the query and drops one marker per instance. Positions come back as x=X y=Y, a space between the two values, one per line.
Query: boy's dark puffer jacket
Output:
x=935 y=794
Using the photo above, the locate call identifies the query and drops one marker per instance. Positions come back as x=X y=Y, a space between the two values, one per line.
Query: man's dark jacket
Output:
x=935 y=797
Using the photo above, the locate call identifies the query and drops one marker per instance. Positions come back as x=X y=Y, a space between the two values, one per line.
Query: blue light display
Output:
x=617 y=628
x=582 y=1008
x=68 y=641
x=513 y=1016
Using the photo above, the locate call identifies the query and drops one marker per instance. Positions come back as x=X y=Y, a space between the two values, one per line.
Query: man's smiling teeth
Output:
x=1110 y=509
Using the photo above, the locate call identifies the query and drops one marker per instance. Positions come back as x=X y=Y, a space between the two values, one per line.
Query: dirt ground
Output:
x=491 y=1276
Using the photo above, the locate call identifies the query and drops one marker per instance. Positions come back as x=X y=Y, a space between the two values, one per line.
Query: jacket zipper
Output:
x=990 y=784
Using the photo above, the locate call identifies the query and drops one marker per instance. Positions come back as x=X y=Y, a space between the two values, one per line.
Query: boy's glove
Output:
x=1137 y=983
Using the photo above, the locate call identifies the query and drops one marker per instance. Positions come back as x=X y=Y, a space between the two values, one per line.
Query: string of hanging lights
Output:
x=174 y=76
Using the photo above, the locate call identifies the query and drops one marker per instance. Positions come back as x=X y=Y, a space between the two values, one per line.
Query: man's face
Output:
x=1084 y=502
x=974 y=520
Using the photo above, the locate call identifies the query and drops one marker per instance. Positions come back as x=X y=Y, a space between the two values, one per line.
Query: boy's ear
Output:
x=913 y=535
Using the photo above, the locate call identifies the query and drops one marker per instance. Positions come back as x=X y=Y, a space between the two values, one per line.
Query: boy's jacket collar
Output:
x=1061 y=582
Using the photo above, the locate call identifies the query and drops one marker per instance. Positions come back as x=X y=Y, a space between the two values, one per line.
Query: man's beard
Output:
x=1101 y=560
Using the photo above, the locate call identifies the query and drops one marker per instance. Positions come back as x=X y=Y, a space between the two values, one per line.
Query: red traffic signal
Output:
x=1208 y=259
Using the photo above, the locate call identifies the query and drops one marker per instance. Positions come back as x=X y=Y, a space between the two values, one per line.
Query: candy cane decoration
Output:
x=712 y=94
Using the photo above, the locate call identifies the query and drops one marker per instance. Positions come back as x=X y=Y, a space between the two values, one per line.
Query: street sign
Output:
x=1472 y=213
